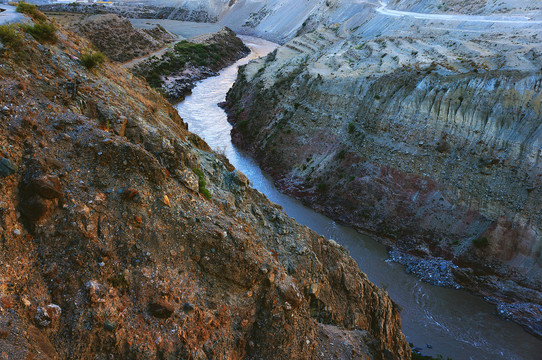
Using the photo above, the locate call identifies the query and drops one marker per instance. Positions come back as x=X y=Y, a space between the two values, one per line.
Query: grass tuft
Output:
x=44 y=33
x=92 y=59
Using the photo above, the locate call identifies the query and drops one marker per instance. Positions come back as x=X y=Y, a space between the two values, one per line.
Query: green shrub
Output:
x=92 y=59
x=10 y=37
x=481 y=242
x=42 y=32
x=202 y=184
x=322 y=187
x=351 y=128
x=30 y=10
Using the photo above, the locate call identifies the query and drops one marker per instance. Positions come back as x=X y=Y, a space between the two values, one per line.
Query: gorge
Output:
x=126 y=235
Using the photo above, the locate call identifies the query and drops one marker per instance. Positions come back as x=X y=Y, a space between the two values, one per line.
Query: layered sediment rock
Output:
x=110 y=248
x=428 y=139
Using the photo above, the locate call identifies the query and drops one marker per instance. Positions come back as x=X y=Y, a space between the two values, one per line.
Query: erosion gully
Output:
x=437 y=320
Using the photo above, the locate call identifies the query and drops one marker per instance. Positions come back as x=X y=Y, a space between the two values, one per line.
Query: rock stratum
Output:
x=124 y=236
x=422 y=129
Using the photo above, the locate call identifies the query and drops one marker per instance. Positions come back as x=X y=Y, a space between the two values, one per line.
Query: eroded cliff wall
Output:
x=423 y=133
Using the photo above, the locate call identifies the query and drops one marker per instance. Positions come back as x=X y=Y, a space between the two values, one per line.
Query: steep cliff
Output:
x=427 y=134
x=124 y=236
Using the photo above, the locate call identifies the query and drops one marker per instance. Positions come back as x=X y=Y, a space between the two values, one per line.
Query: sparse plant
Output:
x=202 y=184
x=31 y=10
x=42 y=32
x=10 y=37
x=92 y=59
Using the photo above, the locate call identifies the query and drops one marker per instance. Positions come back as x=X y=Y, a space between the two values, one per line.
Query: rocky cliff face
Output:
x=124 y=236
x=422 y=134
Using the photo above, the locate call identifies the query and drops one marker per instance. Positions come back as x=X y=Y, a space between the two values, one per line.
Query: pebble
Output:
x=110 y=325
x=17 y=232
x=188 y=307
x=7 y=167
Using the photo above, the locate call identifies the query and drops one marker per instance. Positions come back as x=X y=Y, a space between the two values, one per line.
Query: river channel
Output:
x=438 y=320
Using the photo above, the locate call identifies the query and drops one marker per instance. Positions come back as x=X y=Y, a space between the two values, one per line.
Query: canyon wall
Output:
x=123 y=235
x=425 y=134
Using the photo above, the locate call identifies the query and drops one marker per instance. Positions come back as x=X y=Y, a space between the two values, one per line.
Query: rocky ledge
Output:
x=124 y=236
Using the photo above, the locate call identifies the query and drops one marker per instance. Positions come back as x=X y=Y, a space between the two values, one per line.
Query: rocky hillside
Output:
x=115 y=36
x=422 y=132
x=150 y=11
x=176 y=71
x=124 y=236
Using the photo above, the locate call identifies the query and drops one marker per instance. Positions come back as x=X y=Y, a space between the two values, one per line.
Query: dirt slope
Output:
x=109 y=248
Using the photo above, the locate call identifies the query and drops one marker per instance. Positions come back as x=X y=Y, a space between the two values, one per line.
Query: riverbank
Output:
x=453 y=323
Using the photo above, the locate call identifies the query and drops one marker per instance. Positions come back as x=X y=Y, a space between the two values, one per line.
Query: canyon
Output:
x=417 y=122
x=124 y=235
x=423 y=130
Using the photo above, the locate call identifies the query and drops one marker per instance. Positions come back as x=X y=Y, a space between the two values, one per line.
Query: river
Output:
x=452 y=322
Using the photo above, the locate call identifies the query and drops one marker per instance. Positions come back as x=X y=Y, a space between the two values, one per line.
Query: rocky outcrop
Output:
x=177 y=71
x=433 y=147
x=109 y=247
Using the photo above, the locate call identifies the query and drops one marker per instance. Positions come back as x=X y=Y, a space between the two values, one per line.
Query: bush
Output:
x=92 y=59
x=10 y=37
x=42 y=32
x=30 y=10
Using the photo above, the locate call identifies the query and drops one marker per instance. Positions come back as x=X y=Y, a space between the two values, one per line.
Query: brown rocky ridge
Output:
x=115 y=36
x=110 y=250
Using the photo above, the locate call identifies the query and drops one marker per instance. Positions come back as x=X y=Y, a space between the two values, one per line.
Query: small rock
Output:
x=161 y=309
x=166 y=201
x=7 y=167
x=129 y=193
x=188 y=307
x=7 y=302
x=45 y=316
x=110 y=325
x=96 y=291
x=17 y=232
x=47 y=186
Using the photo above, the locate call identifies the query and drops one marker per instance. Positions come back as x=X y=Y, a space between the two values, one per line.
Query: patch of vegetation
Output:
x=351 y=128
x=44 y=33
x=92 y=59
x=202 y=184
x=322 y=187
x=341 y=154
x=10 y=37
x=183 y=54
x=30 y=10
x=480 y=242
